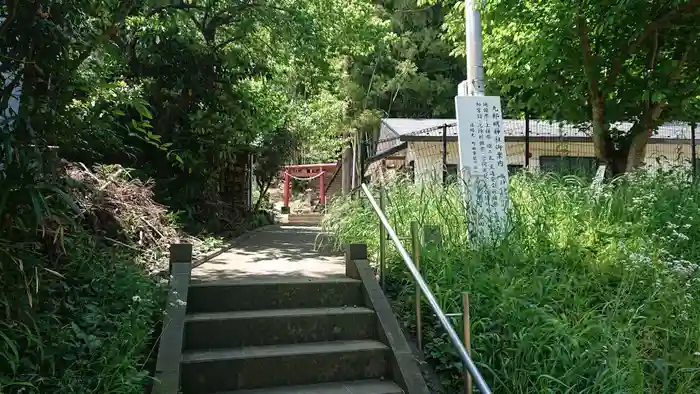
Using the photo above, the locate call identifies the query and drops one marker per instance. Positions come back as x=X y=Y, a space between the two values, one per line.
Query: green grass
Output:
x=582 y=295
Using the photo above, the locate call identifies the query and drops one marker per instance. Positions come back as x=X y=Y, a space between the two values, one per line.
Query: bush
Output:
x=583 y=295
x=86 y=330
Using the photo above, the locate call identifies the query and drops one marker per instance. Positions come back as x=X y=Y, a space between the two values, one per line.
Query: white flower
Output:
x=136 y=298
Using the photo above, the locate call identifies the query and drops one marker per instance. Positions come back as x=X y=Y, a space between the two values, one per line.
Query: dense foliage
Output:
x=184 y=92
x=177 y=92
x=584 y=295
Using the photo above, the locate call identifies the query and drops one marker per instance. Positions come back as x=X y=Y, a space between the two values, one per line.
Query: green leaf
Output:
x=143 y=111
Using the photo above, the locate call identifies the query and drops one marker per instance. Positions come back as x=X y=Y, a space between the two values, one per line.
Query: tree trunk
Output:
x=617 y=162
x=602 y=144
x=637 y=149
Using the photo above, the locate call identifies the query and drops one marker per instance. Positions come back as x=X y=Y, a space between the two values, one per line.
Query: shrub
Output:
x=85 y=330
x=584 y=294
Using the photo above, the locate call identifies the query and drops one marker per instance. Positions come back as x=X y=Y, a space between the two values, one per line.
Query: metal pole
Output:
x=527 y=139
x=430 y=298
x=693 y=152
x=382 y=240
x=415 y=241
x=475 y=62
x=444 y=155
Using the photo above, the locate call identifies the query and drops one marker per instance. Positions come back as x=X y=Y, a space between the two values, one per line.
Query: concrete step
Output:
x=282 y=365
x=279 y=293
x=357 y=387
x=278 y=326
x=311 y=219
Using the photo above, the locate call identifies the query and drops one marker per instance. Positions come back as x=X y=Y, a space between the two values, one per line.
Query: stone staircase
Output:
x=285 y=335
x=304 y=219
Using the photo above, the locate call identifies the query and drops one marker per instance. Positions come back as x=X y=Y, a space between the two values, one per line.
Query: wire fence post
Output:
x=382 y=240
x=416 y=260
x=444 y=155
x=693 y=151
x=527 y=138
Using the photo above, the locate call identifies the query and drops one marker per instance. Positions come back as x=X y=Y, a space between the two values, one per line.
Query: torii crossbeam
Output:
x=306 y=172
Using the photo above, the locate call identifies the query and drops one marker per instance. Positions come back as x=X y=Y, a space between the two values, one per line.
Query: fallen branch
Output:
x=123 y=244
x=152 y=227
x=87 y=171
x=111 y=179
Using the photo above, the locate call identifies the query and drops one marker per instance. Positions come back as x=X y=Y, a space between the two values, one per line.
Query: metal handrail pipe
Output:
x=432 y=302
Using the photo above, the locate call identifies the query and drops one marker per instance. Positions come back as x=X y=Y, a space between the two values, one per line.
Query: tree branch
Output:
x=180 y=6
x=588 y=59
x=650 y=28
x=223 y=18
x=108 y=33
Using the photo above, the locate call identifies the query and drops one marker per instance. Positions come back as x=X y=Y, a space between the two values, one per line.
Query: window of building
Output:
x=411 y=169
x=569 y=165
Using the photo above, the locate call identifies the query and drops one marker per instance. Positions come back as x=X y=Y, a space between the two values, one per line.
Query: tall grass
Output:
x=584 y=294
x=87 y=329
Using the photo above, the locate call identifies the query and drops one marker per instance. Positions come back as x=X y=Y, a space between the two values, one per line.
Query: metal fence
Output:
x=432 y=153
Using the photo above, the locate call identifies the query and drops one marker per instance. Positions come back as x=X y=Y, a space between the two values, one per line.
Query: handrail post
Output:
x=415 y=241
x=382 y=240
x=430 y=297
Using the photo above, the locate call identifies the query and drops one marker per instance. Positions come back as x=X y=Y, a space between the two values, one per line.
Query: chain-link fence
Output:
x=427 y=149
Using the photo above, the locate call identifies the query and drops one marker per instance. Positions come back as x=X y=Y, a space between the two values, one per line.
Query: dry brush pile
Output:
x=81 y=287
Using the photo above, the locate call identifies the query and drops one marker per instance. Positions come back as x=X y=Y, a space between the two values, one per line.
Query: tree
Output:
x=596 y=63
x=411 y=73
x=178 y=91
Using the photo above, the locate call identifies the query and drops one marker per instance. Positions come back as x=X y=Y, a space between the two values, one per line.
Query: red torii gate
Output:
x=306 y=172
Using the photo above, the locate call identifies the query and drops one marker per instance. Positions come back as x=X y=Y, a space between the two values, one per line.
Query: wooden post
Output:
x=346 y=169
x=382 y=239
x=322 y=184
x=467 y=340
x=285 y=208
x=415 y=240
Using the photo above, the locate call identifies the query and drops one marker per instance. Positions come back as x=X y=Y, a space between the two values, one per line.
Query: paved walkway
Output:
x=278 y=251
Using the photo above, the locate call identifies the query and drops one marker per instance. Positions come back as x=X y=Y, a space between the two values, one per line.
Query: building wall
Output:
x=427 y=156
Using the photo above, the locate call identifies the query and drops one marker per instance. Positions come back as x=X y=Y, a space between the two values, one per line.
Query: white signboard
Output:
x=482 y=159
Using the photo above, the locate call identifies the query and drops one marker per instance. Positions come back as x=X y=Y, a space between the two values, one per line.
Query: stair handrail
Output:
x=432 y=302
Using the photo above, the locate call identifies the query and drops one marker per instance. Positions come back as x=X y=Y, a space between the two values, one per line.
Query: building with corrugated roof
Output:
x=428 y=149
